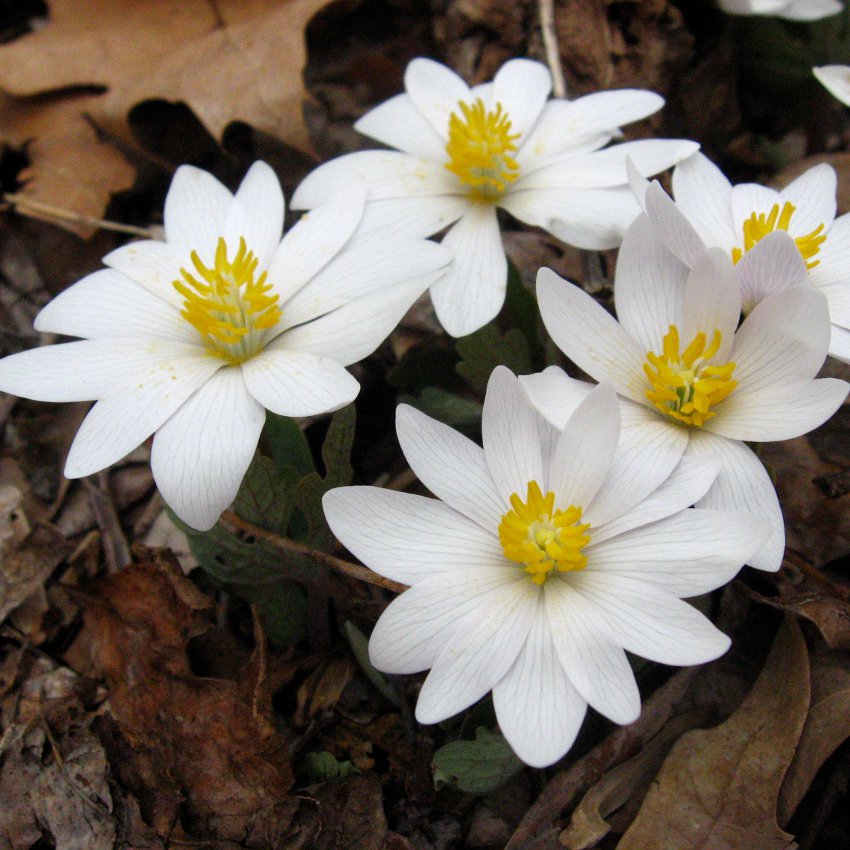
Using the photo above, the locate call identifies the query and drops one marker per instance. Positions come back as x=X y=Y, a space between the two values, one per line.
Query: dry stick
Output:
x=115 y=546
x=550 y=45
x=336 y=564
x=30 y=206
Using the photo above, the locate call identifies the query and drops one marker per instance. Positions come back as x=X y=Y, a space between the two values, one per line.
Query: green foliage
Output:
x=476 y=767
x=325 y=766
x=360 y=647
x=481 y=352
x=454 y=410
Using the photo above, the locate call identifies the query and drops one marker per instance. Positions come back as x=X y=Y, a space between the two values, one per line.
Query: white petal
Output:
x=154 y=265
x=590 y=336
x=522 y=87
x=315 y=240
x=749 y=198
x=597 y=668
x=256 y=214
x=412 y=632
x=784 y=338
x=811 y=10
x=773 y=264
x=356 y=329
x=294 y=383
x=687 y=553
x=555 y=394
x=196 y=209
x=585 y=449
x=778 y=412
x=704 y=195
x=839 y=344
x=813 y=196
x=482 y=648
x=672 y=226
x=107 y=304
x=744 y=486
x=836 y=80
x=472 y=291
x=834 y=256
x=132 y=410
x=397 y=123
x=451 y=466
x=538 y=710
x=687 y=483
x=510 y=432
x=712 y=302
x=436 y=92
x=409 y=538
x=201 y=453
x=649 y=622
x=413 y=217
x=650 y=286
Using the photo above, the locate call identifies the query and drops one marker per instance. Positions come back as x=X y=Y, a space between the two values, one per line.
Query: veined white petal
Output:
x=412 y=217
x=650 y=622
x=413 y=630
x=555 y=394
x=108 y=305
x=480 y=651
x=712 y=302
x=813 y=196
x=834 y=256
x=742 y=486
x=585 y=449
x=399 y=124
x=597 y=668
x=749 y=198
x=196 y=209
x=650 y=285
x=295 y=383
x=784 y=338
x=315 y=240
x=839 y=344
x=256 y=215
x=154 y=265
x=836 y=80
x=773 y=264
x=811 y=10
x=510 y=433
x=472 y=291
x=704 y=195
x=687 y=483
x=451 y=466
x=409 y=538
x=133 y=409
x=590 y=336
x=201 y=453
x=538 y=710
x=685 y=553
x=780 y=411
x=522 y=86
x=436 y=92
x=672 y=226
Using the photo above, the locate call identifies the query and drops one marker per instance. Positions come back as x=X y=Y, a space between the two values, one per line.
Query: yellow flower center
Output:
x=758 y=225
x=685 y=386
x=542 y=539
x=228 y=307
x=479 y=148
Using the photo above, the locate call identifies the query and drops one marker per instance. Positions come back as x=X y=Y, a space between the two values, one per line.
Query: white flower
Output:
x=792 y=10
x=195 y=337
x=744 y=220
x=462 y=153
x=691 y=384
x=836 y=80
x=546 y=558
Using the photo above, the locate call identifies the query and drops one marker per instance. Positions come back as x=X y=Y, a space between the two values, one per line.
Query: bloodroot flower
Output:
x=544 y=558
x=463 y=153
x=194 y=338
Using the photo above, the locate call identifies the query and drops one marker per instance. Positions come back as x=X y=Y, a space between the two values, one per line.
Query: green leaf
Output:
x=476 y=767
x=521 y=311
x=282 y=607
x=448 y=408
x=360 y=647
x=324 y=766
x=284 y=442
x=425 y=366
x=265 y=495
x=481 y=352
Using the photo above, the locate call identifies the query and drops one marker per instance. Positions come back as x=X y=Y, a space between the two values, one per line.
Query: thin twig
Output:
x=336 y=564
x=37 y=209
x=115 y=546
x=550 y=45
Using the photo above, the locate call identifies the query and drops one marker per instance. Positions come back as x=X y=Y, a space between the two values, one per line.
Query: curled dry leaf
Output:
x=234 y=60
x=718 y=788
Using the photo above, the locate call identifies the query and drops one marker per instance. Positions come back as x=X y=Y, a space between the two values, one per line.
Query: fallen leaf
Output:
x=718 y=788
x=231 y=61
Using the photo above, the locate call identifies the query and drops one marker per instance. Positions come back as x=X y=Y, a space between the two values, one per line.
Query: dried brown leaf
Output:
x=718 y=788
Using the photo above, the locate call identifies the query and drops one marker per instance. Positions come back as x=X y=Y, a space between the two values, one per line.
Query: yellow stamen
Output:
x=542 y=539
x=226 y=305
x=479 y=148
x=758 y=225
x=685 y=386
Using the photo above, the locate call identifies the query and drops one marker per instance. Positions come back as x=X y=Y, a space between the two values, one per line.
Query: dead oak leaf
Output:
x=234 y=60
